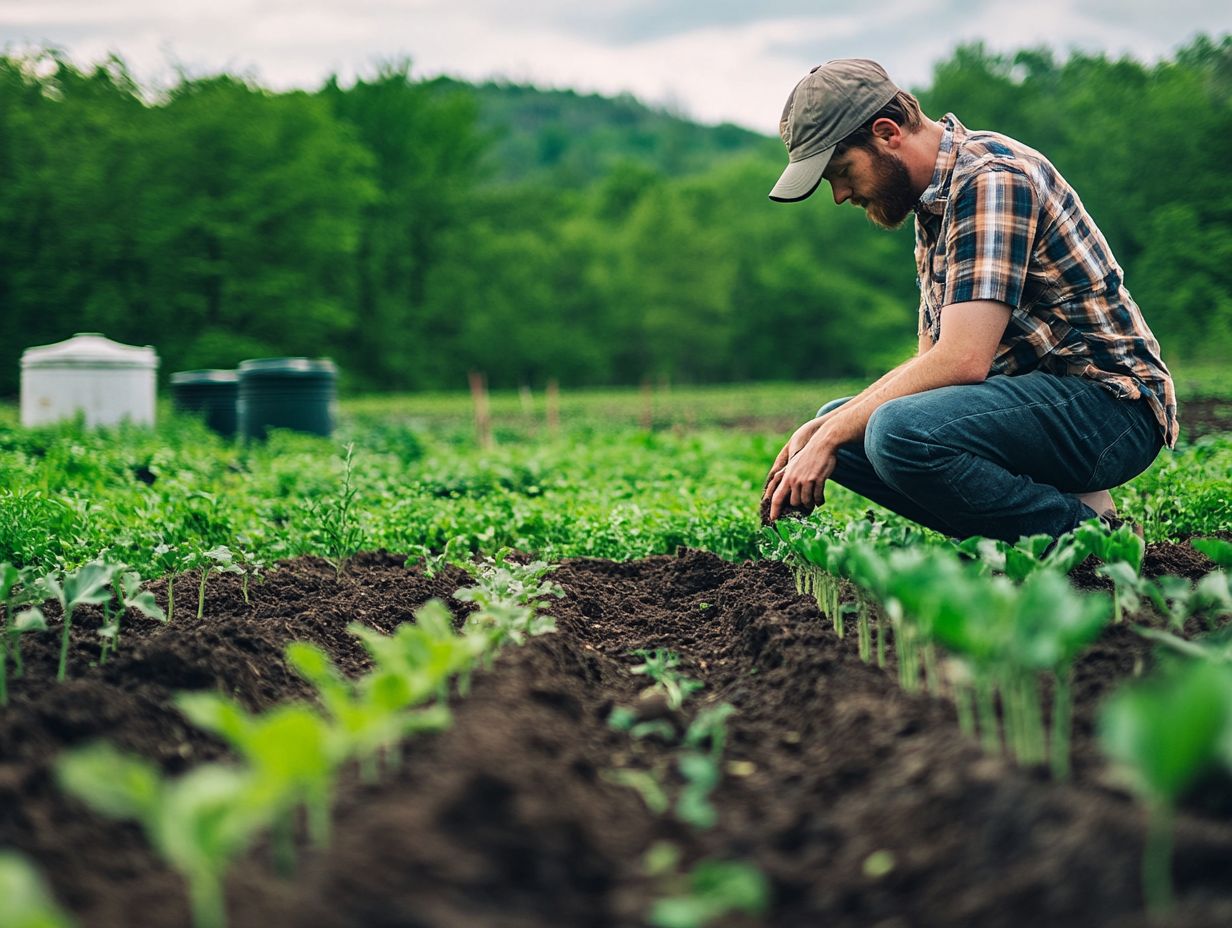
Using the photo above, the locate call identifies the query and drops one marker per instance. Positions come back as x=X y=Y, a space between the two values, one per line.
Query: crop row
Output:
x=996 y=643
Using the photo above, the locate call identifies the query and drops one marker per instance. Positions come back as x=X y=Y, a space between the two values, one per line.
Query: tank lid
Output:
x=286 y=366
x=204 y=376
x=89 y=349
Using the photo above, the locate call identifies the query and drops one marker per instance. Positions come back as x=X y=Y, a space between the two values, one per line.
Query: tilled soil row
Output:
x=510 y=817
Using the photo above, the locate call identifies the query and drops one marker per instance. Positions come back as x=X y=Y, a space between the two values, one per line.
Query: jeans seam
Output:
x=1108 y=450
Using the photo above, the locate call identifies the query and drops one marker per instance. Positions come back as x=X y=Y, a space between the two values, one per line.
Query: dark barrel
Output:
x=209 y=394
x=286 y=393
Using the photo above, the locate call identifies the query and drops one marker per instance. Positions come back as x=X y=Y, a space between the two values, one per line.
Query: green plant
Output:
x=87 y=585
x=660 y=666
x=165 y=561
x=130 y=596
x=197 y=823
x=699 y=764
x=17 y=588
x=1165 y=732
x=712 y=889
x=292 y=753
x=24 y=899
x=218 y=559
x=336 y=519
x=1216 y=549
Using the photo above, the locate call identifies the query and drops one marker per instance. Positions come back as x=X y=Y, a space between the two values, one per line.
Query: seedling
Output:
x=713 y=889
x=198 y=823
x=1216 y=549
x=17 y=588
x=292 y=753
x=1166 y=732
x=645 y=784
x=85 y=586
x=336 y=520
x=131 y=596
x=216 y=560
x=660 y=666
x=27 y=903
x=700 y=765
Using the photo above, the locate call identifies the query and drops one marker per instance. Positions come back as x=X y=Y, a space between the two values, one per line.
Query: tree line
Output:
x=217 y=221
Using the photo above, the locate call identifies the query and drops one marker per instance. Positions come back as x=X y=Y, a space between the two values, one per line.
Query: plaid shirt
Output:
x=998 y=222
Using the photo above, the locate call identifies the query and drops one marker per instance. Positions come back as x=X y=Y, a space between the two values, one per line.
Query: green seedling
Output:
x=17 y=589
x=165 y=562
x=417 y=662
x=219 y=559
x=660 y=666
x=645 y=784
x=1165 y=733
x=198 y=823
x=26 y=902
x=87 y=585
x=622 y=718
x=700 y=765
x=1216 y=549
x=292 y=753
x=250 y=567
x=336 y=520
x=1216 y=648
x=131 y=596
x=712 y=890
x=368 y=721
x=507 y=599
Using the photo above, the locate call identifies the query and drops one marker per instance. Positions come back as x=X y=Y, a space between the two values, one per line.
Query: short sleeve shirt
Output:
x=999 y=222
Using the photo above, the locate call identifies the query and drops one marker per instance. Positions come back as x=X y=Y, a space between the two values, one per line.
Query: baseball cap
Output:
x=831 y=102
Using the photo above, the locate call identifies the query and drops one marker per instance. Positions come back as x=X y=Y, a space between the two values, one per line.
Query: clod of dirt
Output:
x=796 y=512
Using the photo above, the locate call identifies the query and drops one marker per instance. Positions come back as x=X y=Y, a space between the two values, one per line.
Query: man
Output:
x=1037 y=384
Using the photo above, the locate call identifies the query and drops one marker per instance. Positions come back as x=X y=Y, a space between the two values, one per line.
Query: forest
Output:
x=415 y=230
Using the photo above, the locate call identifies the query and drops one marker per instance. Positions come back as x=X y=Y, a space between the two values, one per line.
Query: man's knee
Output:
x=830 y=406
x=895 y=438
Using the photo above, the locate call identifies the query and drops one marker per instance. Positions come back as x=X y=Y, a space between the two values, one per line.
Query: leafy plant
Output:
x=197 y=823
x=218 y=559
x=131 y=596
x=1165 y=732
x=336 y=519
x=713 y=889
x=87 y=585
x=660 y=666
x=699 y=764
x=292 y=754
x=17 y=588
x=26 y=901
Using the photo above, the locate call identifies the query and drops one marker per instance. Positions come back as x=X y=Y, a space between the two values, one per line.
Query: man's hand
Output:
x=797 y=441
x=801 y=480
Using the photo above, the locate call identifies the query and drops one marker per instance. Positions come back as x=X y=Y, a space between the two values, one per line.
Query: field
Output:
x=691 y=738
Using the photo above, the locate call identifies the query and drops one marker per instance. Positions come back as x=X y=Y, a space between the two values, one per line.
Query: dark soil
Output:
x=509 y=817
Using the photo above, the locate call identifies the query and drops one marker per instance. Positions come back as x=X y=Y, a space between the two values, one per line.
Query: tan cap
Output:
x=832 y=101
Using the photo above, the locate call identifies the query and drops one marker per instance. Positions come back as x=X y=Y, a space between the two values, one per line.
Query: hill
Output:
x=567 y=138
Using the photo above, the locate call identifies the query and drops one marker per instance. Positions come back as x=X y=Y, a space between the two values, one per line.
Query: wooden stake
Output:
x=553 y=399
x=483 y=418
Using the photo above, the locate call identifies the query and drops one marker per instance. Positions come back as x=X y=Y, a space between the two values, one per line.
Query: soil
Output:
x=510 y=818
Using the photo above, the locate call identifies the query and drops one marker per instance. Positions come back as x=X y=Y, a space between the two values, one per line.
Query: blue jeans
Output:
x=1001 y=458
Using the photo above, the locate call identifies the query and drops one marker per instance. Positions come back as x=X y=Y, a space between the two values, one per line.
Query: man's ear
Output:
x=887 y=131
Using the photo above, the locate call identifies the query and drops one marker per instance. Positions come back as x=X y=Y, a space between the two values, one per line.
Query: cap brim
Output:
x=801 y=177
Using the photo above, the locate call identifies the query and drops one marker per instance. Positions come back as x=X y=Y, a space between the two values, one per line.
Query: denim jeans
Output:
x=1001 y=458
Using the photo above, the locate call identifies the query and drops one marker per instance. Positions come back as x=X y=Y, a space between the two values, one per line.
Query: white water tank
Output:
x=89 y=374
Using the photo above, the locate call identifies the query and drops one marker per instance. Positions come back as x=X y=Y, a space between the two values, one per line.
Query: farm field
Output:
x=584 y=777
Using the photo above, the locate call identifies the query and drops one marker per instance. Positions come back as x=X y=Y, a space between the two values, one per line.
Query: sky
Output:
x=710 y=60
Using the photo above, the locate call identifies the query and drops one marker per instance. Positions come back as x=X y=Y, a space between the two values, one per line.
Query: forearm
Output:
x=925 y=372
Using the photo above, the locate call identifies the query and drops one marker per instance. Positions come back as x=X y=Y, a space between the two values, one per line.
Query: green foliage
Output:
x=27 y=903
x=1166 y=732
x=713 y=888
x=17 y=589
x=199 y=823
x=660 y=666
x=87 y=585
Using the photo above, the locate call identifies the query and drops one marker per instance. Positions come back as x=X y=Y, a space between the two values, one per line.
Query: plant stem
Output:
x=68 y=623
x=1157 y=859
x=205 y=897
x=205 y=573
x=1061 y=710
x=866 y=642
x=282 y=837
x=966 y=715
x=881 y=644
x=989 y=735
x=170 y=597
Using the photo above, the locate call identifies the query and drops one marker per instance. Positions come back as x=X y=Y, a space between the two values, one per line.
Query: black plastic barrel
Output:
x=209 y=394
x=286 y=393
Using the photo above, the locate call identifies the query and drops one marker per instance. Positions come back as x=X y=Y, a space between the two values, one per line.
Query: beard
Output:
x=893 y=197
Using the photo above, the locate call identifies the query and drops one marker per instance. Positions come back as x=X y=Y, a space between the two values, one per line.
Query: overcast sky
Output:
x=721 y=60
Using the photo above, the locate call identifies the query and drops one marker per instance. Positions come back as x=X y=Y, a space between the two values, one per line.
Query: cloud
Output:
x=718 y=61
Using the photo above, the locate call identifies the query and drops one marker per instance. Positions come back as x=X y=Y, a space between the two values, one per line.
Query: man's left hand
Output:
x=802 y=481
